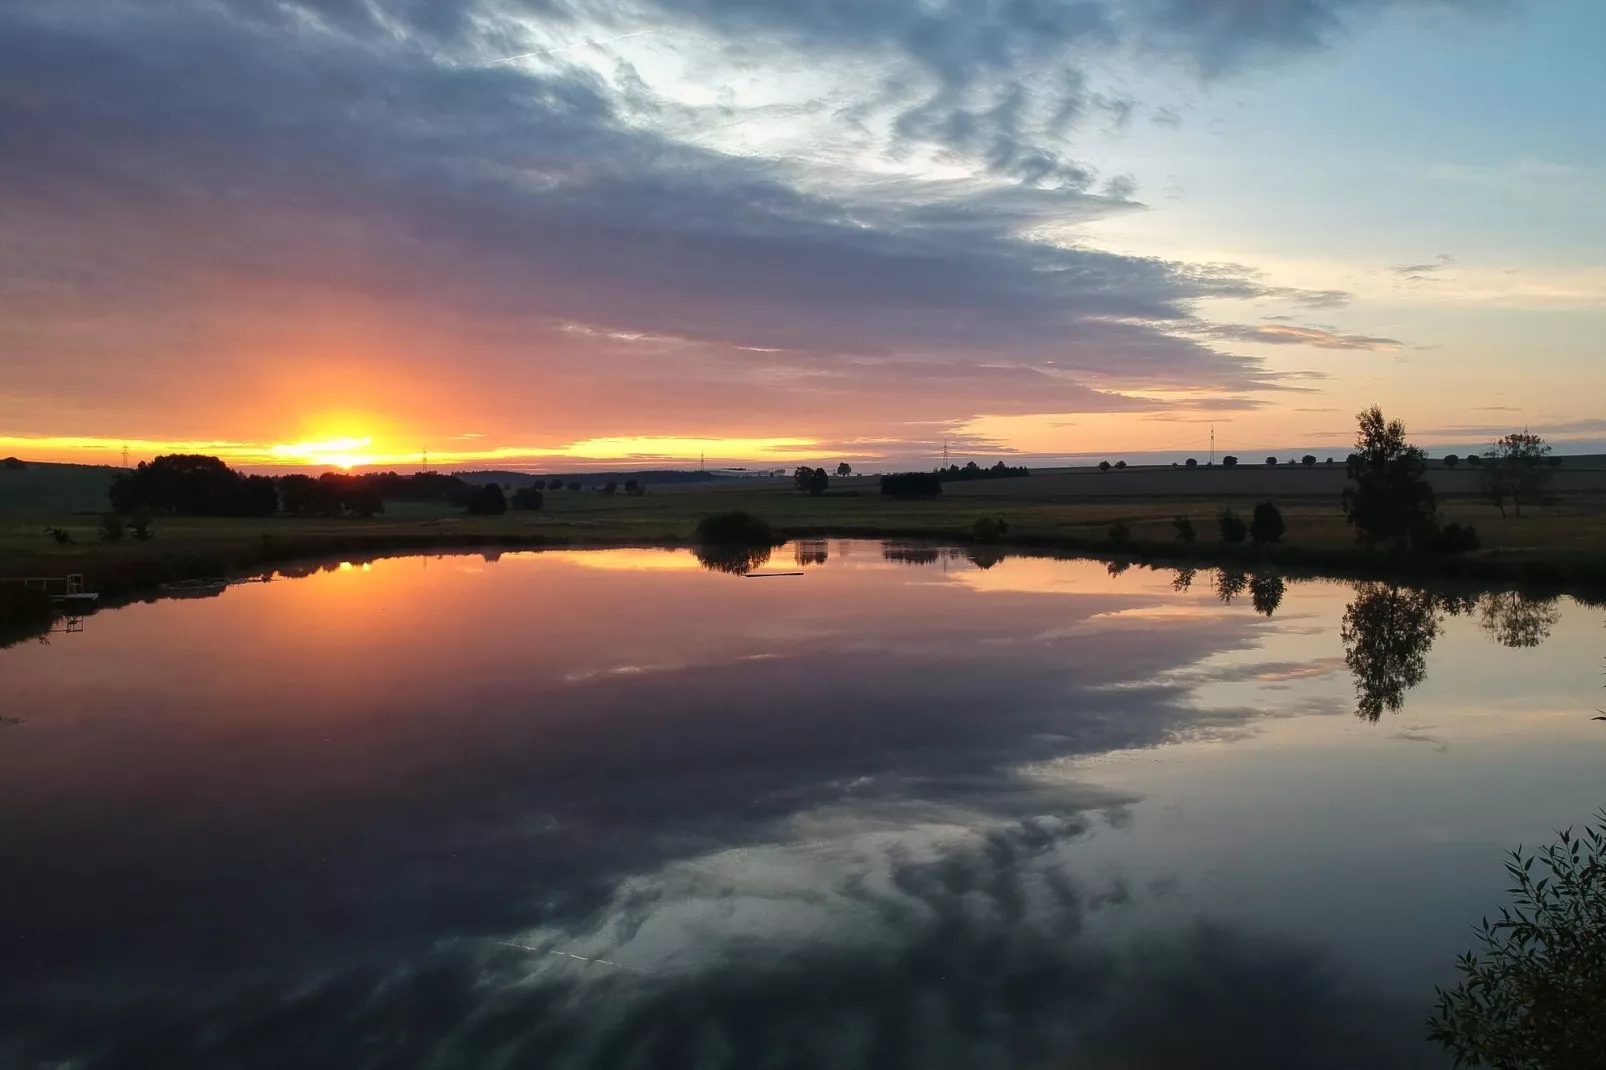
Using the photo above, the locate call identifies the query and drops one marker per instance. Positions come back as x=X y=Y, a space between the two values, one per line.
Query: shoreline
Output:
x=127 y=577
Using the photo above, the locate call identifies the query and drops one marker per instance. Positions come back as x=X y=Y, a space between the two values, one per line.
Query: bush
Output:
x=1271 y=461
x=1119 y=534
x=574 y=484
x=1229 y=461
x=140 y=528
x=1453 y=538
x=1232 y=526
x=1120 y=464
x=610 y=487
x=1535 y=997
x=528 y=498
x=487 y=500
x=1104 y=466
x=736 y=528
x=111 y=527
x=1309 y=460
x=1184 y=526
x=1266 y=525
x=1451 y=460
x=911 y=485
x=989 y=529
x=812 y=480
x=556 y=484
x=1191 y=462
x=1474 y=460
x=634 y=488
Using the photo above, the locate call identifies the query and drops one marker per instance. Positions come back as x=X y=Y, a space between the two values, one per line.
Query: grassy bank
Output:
x=1559 y=546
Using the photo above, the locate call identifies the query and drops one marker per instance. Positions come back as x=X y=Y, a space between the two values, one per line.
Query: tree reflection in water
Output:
x=1183 y=579
x=1266 y=590
x=1230 y=583
x=1387 y=633
x=1513 y=619
x=737 y=560
x=811 y=552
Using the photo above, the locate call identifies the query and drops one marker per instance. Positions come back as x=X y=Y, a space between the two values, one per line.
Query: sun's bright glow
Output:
x=338 y=452
x=352 y=451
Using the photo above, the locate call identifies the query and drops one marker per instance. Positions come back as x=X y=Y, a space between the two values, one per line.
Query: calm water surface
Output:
x=611 y=809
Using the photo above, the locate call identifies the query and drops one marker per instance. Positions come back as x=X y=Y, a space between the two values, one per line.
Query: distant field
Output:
x=1576 y=475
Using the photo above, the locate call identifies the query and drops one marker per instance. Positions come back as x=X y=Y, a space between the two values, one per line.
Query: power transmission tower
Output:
x=945 y=451
x=1212 y=443
x=425 y=466
x=125 y=455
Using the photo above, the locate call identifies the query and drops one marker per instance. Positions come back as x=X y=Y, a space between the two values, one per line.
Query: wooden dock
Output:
x=63 y=590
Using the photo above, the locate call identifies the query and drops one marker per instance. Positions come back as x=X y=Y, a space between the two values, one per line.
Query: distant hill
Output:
x=41 y=487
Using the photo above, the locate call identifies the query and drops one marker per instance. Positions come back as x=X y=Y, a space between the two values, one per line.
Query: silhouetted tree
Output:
x=1451 y=460
x=1387 y=633
x=972 y=470
x=1266 y=592
x=844 y=470
x=1183 y=580
x=1391 y=501
x=1117 y=568
x=1266 y=524
x=610 y=487
x=487 y=500
x=554 y=484
x=528 y=498
x=1104 y=466
x=1515 y=471
x=1309 y=460
x=1191 y=462
x=1184 y=526
x=1514 y=619
x=1272 y=461
x=911 y=485
x=1474 y=460
x=1120 y=464
x=1229 y=461
x=573 y=484
x=812 y=480
x=634 y=488
x=1231 y=526
x=192 y=485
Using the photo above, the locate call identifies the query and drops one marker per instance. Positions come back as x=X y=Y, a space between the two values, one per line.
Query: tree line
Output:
x=183 y=484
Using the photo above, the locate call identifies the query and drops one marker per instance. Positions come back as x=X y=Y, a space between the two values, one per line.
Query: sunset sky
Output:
x=558 y=233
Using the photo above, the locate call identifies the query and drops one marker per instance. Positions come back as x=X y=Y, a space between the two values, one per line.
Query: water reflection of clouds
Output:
x=841 y=819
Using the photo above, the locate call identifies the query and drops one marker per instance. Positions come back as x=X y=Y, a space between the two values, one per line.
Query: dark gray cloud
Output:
x=181 y=175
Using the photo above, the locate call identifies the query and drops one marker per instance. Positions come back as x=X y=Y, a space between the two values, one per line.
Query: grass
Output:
x=1564 y=544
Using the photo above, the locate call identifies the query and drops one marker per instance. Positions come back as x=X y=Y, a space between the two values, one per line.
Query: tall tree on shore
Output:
x=1391 y=500
x=1516 y=469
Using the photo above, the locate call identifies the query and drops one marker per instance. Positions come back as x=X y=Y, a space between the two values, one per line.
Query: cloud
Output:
x=1287 y=334
x=336 y=193
x=1438 y=263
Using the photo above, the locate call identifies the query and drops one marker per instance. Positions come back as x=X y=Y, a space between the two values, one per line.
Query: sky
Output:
x=547 y=233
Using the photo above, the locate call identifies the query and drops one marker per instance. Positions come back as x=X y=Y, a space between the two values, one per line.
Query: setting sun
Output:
x=339 y=452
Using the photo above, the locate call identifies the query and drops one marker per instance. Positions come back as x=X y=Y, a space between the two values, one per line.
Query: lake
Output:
x=907 y=809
